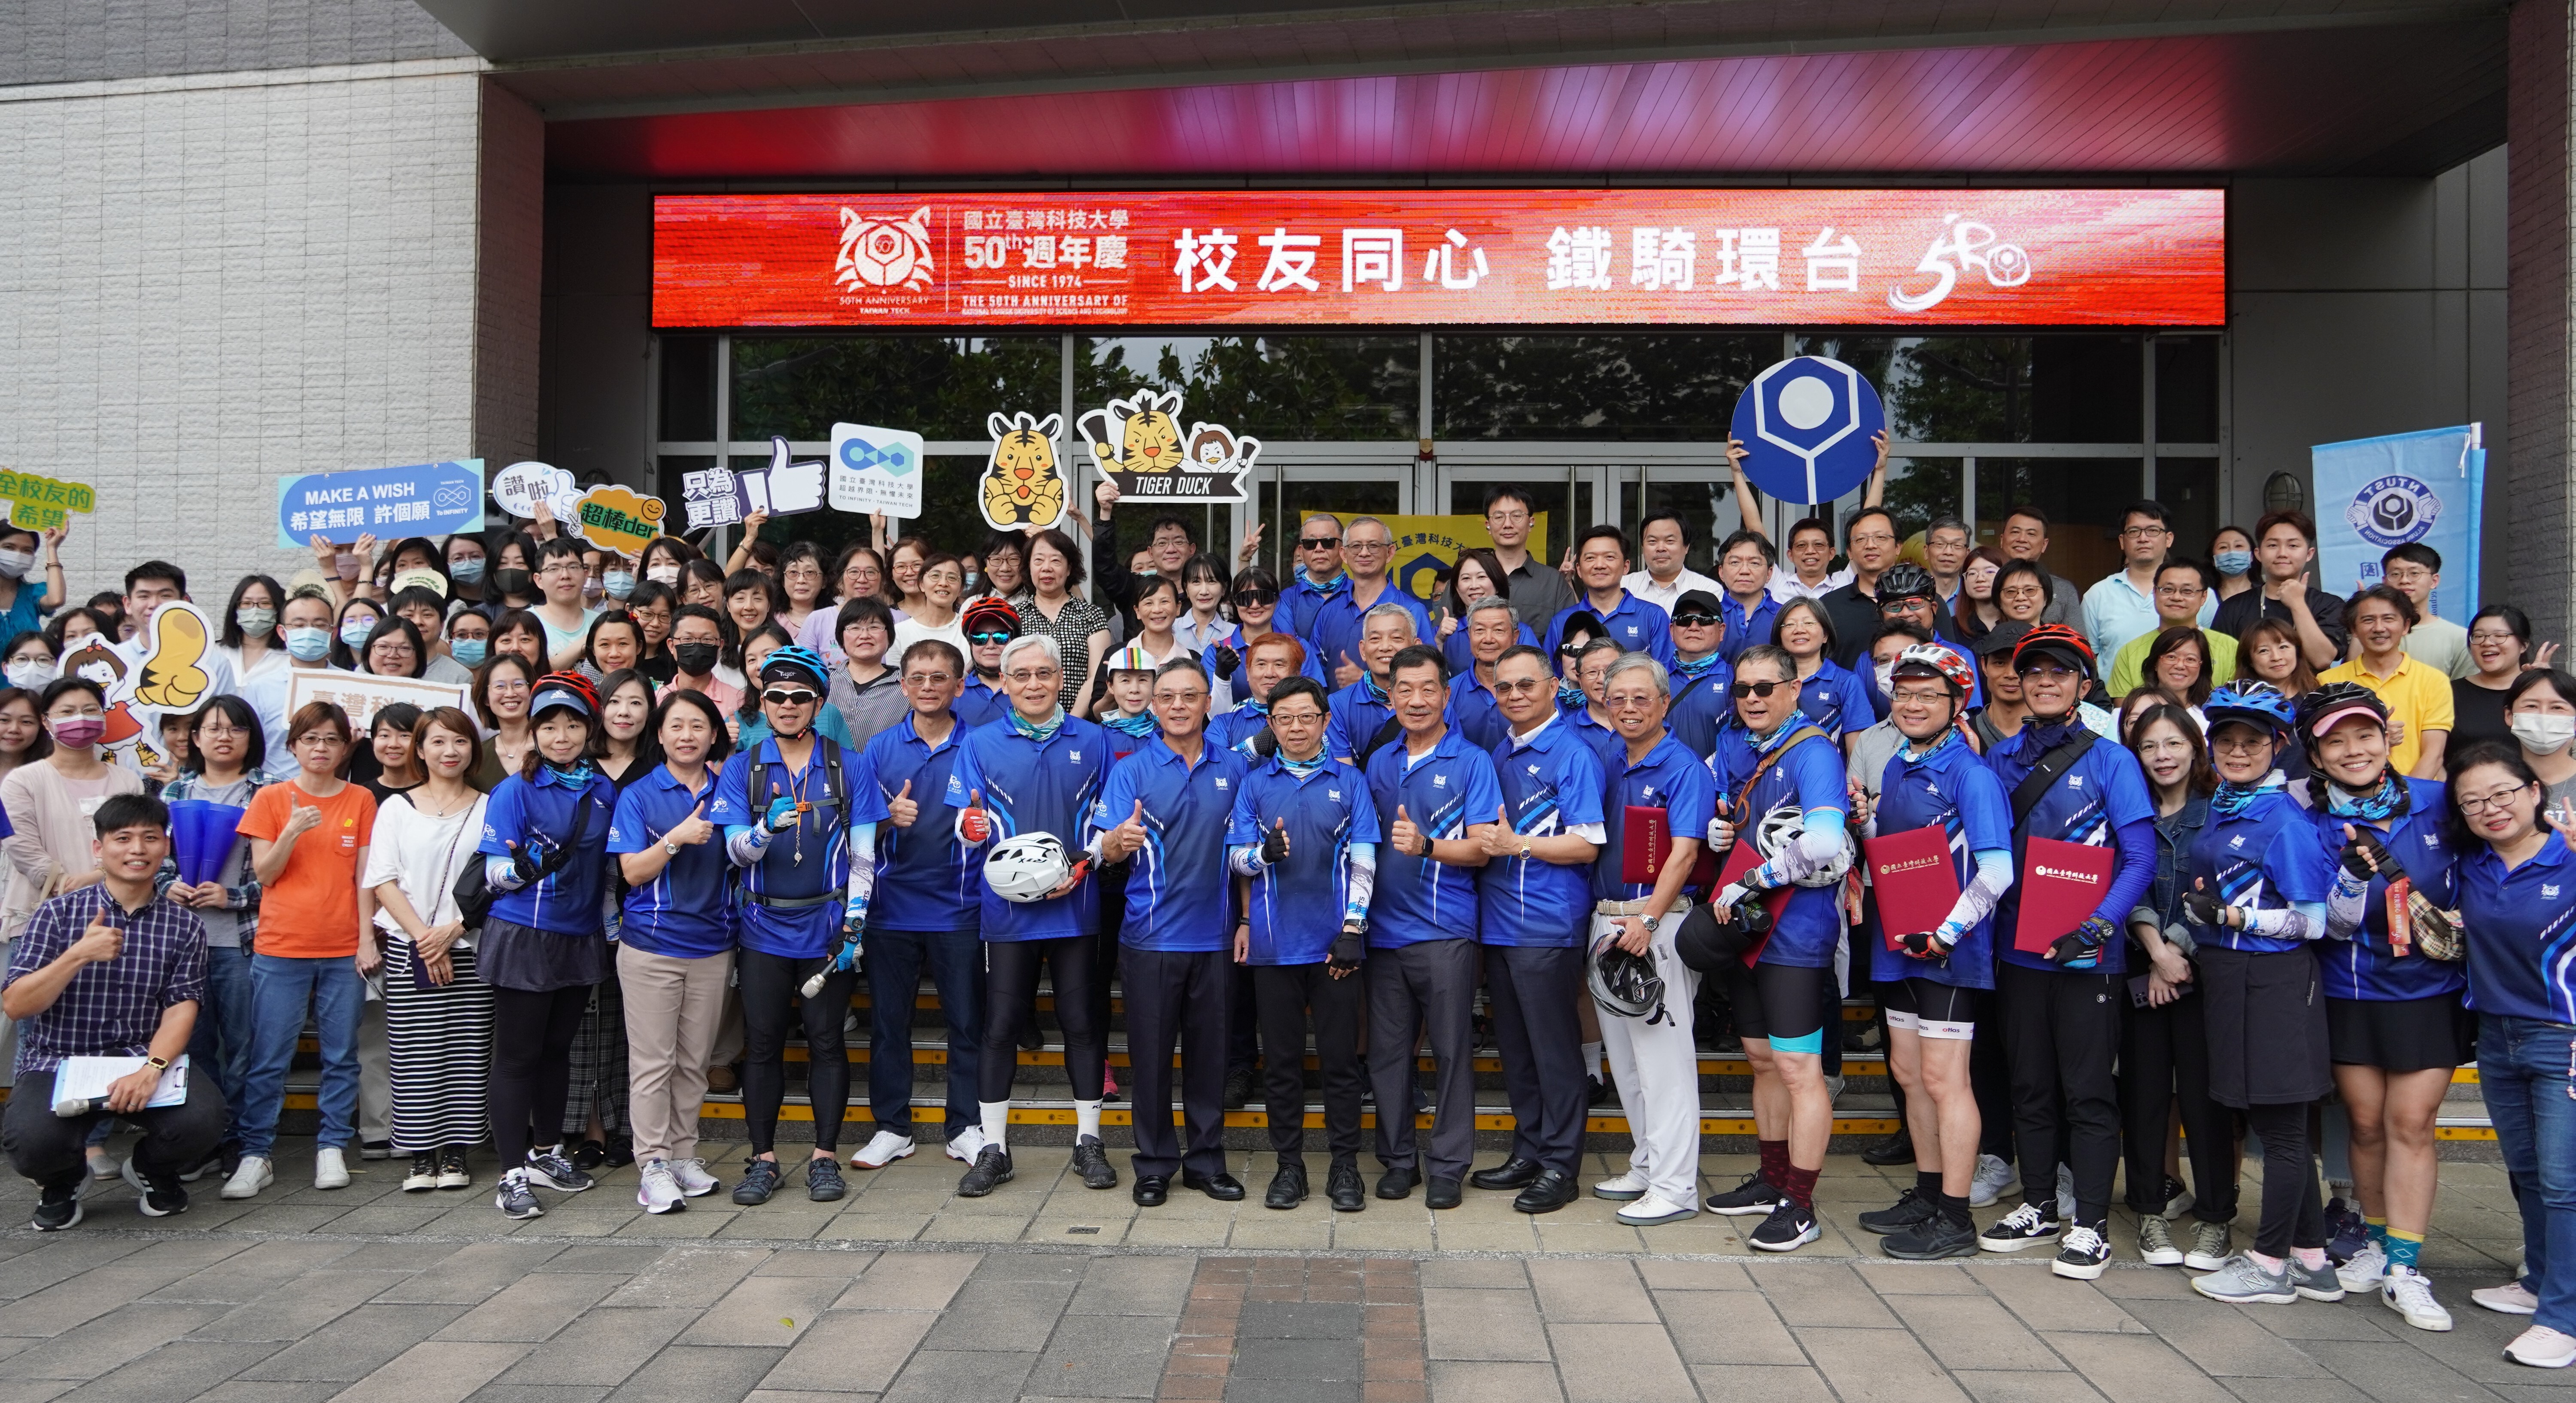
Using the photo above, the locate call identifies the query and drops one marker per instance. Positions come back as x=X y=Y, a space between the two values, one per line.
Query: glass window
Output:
x=1340 y=499
x=1593 y=387
x=689 y=389
x=949 y=518
x=1707 y=510
x=2187 y=389
x=1999 y=389
x=1919 y=489
x=2081 y=498
x=2189 y=489
x=941 y=387
x=1566 y=512
x=1272 y=387
x=667 y=485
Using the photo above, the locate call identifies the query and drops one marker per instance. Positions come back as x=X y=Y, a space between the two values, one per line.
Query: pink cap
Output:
x=2332 y=718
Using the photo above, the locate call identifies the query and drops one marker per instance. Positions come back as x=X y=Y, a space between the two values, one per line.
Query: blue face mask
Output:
x=354 y=631
x=618 y=583
x=308 y=645
x=469 y=651
x=466 y=572
x=2234 y=562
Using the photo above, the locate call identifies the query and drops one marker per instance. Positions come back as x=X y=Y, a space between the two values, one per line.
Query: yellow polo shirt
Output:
x=2417 y=693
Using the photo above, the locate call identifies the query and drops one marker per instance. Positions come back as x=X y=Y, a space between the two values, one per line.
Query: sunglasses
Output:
x=985 y=640
x=1695 y=621
x=1741 y=690
x=788 y=696
x=1255 y=598
x=1567 y=650
x=1318 y=542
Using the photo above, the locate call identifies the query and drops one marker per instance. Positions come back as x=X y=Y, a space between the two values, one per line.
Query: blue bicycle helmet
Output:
x=796 y=663
x=2257 y=704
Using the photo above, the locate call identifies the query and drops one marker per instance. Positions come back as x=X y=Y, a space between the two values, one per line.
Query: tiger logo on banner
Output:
x=1023 y=485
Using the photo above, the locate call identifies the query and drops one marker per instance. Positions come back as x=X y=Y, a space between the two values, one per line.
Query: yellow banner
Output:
x=1427 y=545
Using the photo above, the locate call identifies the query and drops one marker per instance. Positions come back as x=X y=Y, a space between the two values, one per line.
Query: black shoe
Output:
x=991 y=1170
x=1514 y=1173
x=1550 y=1191
x=621 y=1151
x=759 y=1180
x=424 y=1173
x=1221 y=1186
x=1895 y=1149
x=1789 y=1228
x=375 y=1149
x=1151 y=1190
x=1238 y=1088
x=1398 y=1182
x=1595 y=1092
x=1343 y=1187
x=161 y=1192
x=59 y=1207
x=589 y=1154
x=1287 y=1187
x=209 y=1160
x=1443 y=1193
x=1091 y=1161
x=1911 y=1210
x=823 y=1182
x=1751 y=1197
x=1931 y=1240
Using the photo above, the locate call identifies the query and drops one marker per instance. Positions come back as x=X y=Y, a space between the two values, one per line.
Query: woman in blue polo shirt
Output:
x=2394 y=1023
x=2518 y=905
x=1832 y=696
x=675 y=946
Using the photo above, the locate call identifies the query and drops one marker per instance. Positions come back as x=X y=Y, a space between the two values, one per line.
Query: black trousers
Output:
x=1430 y=984
x=2164 y=1060
x=1010 y=993
x=896 y=961
x=768 y=983
x=1534 y=989
x=49 y=1148
x=1289 y=996
x=532 y=1033
x=2292 y=1216
x=1990 y=1077
x=1177 y=997
x=2062 y=1033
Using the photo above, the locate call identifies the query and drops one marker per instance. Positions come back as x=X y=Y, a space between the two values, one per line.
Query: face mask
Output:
x=590 y=591
x=2234 y=562
x=617 y=583
x=695 y=659
x=255 y=622
x=308 y=645
x=354 y=631
x=31 y=674
x=2542 y=735
x=665 y=575
x=469 y=651
x=972 y=580
x=346 y=565
x=14 y=564
x=466 y=572
x=79 y=732
x=1886 y=674
x=518 y=583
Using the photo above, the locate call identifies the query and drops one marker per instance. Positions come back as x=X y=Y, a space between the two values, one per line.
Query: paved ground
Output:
x=1047 y=1290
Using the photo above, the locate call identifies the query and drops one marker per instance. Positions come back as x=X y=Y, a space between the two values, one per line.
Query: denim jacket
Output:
x=2175 y=833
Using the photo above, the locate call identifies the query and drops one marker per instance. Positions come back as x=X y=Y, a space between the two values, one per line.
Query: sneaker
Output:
x=2346 y=1232
x=103 y=1166
x=161 y=1194
x=1652 y=1209
x=330 y=1168
x=2172 y=1199
x=2240 y=1280
x=515 y=1199
x=1993 y=1177
x=1746 y=1199
x=2512 y=1298
x=549 y=1168
x=1834 y=1088
x=962 y=1146
x=1932 y=1240
x=657 y=1190
x=2020 y=1228
x=1789 y=1228
x=2366 y=1268
x=205 y=1163
x=1911 y=1209
x=2315 y=1283
x=2065 y=1193
x=695 y=1181
x=759 y=1180
x=1091 y=1161
x=2082 y=1253
x=1627 y=1188
x=253 y=1176
x=2410 y=1293
x=58 y=1207
x=424 y=1174
x=2155 y=1243
x=823 y=1183
x=991 y=1170
x=882 y=1149
x=2540 y=1347
x=452 y=1173
x=2209 y=1247
x=375 y=1149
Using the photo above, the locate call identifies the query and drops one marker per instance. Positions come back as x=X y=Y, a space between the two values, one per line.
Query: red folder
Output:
x=1917 y=884
x=1740 y=859
x=1648 y=838
x=2061 y=886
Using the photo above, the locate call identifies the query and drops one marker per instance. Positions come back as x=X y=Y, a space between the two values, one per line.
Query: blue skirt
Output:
x=508 y=955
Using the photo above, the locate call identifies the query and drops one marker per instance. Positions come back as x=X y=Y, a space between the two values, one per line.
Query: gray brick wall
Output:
x=203 y=289
x=2540 y=123
x=60 y=41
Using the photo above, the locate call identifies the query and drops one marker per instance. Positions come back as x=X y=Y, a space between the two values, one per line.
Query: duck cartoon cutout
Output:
x=171 y=679
x=1138 y=444
x=1023 y=486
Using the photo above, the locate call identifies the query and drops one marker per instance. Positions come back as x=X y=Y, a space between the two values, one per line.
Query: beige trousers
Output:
x=672 y=1007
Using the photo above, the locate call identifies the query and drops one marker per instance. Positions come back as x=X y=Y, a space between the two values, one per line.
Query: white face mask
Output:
x=1886 y=673
x=664 y=575
x=2542 y=734
x=14 y=564
x=30 y=674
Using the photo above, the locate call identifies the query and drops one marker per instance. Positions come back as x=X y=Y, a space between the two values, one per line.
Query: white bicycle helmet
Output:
x=1781 y=827
x=1027 y=867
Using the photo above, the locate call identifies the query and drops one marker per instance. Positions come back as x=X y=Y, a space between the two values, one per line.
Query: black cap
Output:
x=2001 y=639
x=1699 y=599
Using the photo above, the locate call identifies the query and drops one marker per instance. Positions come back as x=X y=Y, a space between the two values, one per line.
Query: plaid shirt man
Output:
x=110 y=1009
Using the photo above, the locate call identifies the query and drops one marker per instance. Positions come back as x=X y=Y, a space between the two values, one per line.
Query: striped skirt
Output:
x=440 y=1045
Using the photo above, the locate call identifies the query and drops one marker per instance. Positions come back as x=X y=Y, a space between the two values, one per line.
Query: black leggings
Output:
x=1010 y=991
x=2164 y=1059
x=768 y=984
x=532 y=1037
x=2292 y=1217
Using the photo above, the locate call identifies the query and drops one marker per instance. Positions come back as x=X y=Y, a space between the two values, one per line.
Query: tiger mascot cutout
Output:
x=1140 y=435
x=1022 y=484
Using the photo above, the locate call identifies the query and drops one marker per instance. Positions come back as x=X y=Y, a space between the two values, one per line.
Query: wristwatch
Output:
x=158 y=1064
x=669 y=848
x=1651 y=923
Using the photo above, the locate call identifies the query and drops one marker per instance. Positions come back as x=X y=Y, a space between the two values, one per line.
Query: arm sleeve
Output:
x=1244 y=859
x=2136 y=872
x=863 y=861
x=745 y=843
x=2347 y=906
x=1994 y=875
x=1363 y=881
x=2304 y=920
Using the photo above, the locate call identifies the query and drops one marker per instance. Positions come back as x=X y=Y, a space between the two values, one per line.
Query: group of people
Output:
x=2220 y=846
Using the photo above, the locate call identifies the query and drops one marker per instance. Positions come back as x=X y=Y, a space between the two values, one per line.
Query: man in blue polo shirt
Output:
x=1166 y=808
x=1533 y=899
x=1490 y=628
x=1433 y=793
x=1269 y=660
x=1700 y=674
x=1304 y=836
x=1600 y=562
x=1318 y=578
x=924 y=909
x=1368 y=548
x=1362 y=715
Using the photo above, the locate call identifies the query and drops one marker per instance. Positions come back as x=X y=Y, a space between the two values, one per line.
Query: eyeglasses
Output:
x=1368 y=545
x=1294 y=718
x=1694 y=621
x=788 y=696
x=2475 y=804
x=1030 y=674
x=1318 y=542
x=1741 y=690
x=2144 y=533
x=2179 y=591
x=1567 y=650
x=1255 y=598
x=1526 y=684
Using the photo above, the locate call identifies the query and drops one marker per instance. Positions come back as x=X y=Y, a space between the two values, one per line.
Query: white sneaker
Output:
x=330 y=1168
x=103 y=1166
x=255 y=1175
x=1993 y=1177
x=695 y=1181
x=1652 y=1209
x=883 y=1148
x=2410 y=1293
x=1628 y=1187
x=657 y=1191
x=2367 y=1269
x=2542 y=1348
x=968 y=1144
x=2065 y=1194
x=2512 y=1298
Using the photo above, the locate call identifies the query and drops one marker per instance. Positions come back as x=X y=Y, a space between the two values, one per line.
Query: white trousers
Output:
x=1656 y=1066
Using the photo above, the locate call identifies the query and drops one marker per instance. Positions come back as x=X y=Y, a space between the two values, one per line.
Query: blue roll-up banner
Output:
x=2374 y=493
x=420 y=499
x=1807 y=425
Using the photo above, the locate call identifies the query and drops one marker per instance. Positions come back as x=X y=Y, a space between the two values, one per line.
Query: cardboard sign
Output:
x=362 y=694
x=520 y=486
x=420 y=499
x=1023 y=486
x=721 y=497
x=40 y=503
x=616 y=519
x=876 y=470
x=1138 y=444
x=1807 y=424
x=170 y=679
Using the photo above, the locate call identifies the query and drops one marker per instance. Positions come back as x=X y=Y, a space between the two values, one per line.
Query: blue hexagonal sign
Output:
x=1807 y=426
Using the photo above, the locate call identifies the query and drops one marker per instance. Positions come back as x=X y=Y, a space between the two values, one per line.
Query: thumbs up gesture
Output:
x=693 y=830
x=903 y=808
x=973 y=824
x=1498 y=837
x=1127 y=837
x=1407 y=839
x=1274 y=844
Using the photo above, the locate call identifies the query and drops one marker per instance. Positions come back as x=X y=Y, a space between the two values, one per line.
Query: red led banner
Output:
x=1444 y=258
